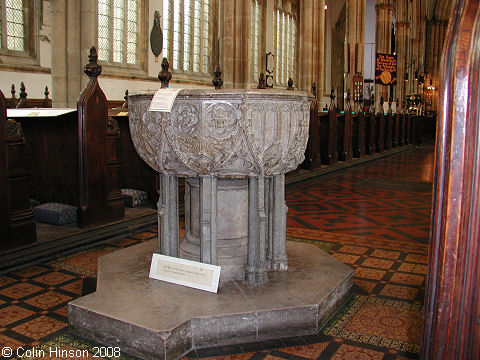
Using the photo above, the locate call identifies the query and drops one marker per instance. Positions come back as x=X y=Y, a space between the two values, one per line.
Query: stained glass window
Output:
x=187 y=43
x=118 y=31
x=12 y=25
x=285 y=30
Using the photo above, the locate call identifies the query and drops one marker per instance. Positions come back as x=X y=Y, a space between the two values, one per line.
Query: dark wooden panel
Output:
x=94 y=206
x=379 y=132
x=17 y=227
x=313 y=157
x=52 y=148
x=389 y=129
x=370 y=137
x=452 y=308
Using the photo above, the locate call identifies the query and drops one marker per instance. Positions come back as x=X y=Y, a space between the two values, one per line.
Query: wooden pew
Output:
x=370 y=137
x=74 y=155
x=313 y=157
x=380 y=130
x=329 y=133
x=344 y=132
x=17 y=227
x=389 y=123
x=396 y=128
x=24 y=102
x=359 y=133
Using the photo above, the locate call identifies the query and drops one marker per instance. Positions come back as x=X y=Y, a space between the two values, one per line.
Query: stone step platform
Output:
x=153 y=319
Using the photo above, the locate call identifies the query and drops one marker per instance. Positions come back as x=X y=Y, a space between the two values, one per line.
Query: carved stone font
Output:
x=234 y=148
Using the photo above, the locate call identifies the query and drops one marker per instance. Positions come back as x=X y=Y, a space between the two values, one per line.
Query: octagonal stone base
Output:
x=152 y=319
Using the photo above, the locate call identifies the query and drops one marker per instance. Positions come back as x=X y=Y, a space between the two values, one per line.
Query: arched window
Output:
x=285 y=31
x=12 y=30
x=187 y=29
x=256 y=31
x=118 y=31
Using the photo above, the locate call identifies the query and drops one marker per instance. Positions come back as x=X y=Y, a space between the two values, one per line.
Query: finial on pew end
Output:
x=125 y=104
x=290 y=84
x=23 y=97
x=347 y=104
x=92 y=69
x=165 y=76
x=332 y=100
x=47 y=103
x=13 y=100
x=217 y=80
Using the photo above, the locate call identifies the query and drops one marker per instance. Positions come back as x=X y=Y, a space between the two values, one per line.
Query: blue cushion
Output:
x=55 y=213
x=133 y=197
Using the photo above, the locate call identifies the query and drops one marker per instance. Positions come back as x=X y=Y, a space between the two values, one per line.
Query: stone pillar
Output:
x=69 y=47
x=383 y=41
x=402 y=28
x=235 y=42
x=311 y=56
x=208 y=219
x=256 y=270
x=168 y=215
x=354 y=38
x=221 y=212
x=279 y=223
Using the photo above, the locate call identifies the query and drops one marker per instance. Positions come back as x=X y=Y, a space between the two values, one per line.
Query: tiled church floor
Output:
x=378 y=227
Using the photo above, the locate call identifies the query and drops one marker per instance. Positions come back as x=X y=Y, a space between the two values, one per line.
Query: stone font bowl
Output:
x=226 y=133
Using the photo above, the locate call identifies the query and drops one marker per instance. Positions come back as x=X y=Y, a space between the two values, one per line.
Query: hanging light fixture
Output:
x=325 y=6
x=406 y=76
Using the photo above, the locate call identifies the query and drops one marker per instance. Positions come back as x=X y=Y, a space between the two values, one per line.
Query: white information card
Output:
x=185 y=272
x=163 y=100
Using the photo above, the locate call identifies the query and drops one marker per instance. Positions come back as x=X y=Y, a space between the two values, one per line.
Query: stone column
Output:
x=235 y=42
x=279 y=223
x=311 y=56
x=168 y=215
x=208 y=219
x=383 y=41
x=354 y=36
x=256 y=269
x=69 y=47
x=59 y=61
x=402 y=28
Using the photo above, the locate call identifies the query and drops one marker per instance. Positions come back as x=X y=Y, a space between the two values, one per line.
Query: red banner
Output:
x=385 y=69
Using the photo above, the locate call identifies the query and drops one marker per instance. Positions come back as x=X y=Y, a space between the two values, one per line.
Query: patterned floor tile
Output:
x=74 y=287
x=12 y=314
x=346 y=258
x=31 y=271
x=413 y=268
x=48 y=300
x=368 y=286
x=350 y=249
x=5 y=280
x=391 y=324
x=54 y=278
x=144 y=235
x=368 y=273
x=20 y=290
x=6 y=341
x=378 y=263
x=40 y=327
x=63 y=311
x=311 y=351
x=401 y=292
x=419 y=258
x=380 y=253
x=409 y=279
x=348 y=352
x=83 y=263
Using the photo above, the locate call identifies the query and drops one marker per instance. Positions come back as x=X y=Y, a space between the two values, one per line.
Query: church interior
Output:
x=382 y=176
